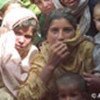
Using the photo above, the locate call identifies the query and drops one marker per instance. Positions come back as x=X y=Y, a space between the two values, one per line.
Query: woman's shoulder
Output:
x=87 y=43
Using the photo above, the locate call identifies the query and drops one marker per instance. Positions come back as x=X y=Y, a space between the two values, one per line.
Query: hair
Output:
x=30 y=22
x=72 y=78
x=58 y=14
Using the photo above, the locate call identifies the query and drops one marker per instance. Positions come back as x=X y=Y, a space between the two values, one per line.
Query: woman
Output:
x=63 y=50
x=16 y=50
x=82 y=9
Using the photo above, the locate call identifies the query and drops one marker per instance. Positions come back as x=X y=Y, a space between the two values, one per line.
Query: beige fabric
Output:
x=4 y=91
x=13 y=69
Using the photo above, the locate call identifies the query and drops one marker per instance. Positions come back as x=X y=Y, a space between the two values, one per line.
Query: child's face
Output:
x=23 y=38
x=60 y=30
x=70 y=92
x=45 y=5
x=97 y=17
x=70 y=3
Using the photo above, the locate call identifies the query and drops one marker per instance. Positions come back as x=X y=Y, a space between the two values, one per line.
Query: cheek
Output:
x=27 y=42
x=69 y=36
x=51 y=38
x=17 y=40
x=98 y=26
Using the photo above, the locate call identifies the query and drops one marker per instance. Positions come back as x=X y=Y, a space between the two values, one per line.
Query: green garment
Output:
x=31 y=6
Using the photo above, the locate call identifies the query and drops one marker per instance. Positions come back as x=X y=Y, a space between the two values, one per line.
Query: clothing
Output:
x=14 y=69
x=96 y=53
x=19 y=17
x=86 y=20
x=80 y=61
x=29 y=5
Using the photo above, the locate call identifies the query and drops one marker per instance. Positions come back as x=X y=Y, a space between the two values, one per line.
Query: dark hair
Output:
x=57 y=14
x=72 y=78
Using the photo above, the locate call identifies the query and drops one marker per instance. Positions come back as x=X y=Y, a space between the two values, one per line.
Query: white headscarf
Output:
x=16 y=15
x=10 y=61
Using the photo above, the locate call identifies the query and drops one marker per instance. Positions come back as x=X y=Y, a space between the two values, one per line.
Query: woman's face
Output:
x=72 y=4
x=23 y=38
x=60 y=30
x=45 y=5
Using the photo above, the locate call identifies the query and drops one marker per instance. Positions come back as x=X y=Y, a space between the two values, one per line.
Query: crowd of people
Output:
x=49 y=49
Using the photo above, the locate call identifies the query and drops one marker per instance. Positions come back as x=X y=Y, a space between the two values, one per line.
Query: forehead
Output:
x=97 y=9
x=69 y=87
x=24 y=30
x=60 y=21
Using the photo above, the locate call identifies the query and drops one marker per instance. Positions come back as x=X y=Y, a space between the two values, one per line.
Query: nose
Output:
x=60 y=36
x=68 y=98
x=21 y=39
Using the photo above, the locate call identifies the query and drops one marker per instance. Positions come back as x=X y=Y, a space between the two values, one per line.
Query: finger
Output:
x=65 y=54
x=61 y=49
x=87 y=75
x=58 y=44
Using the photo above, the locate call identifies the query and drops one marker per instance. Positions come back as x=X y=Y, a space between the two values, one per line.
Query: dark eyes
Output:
x=66 y=30
x=26 y=36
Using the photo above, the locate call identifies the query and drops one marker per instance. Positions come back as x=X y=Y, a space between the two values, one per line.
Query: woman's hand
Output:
x=58 y=52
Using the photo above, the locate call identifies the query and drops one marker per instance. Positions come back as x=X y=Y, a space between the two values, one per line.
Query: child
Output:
x=16 y=50
x=97 y=37
x=72 y=86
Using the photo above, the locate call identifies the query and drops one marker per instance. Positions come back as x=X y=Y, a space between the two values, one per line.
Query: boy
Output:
x=72 y=86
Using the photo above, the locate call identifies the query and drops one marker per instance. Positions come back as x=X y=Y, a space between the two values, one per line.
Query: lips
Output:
x=19 y=46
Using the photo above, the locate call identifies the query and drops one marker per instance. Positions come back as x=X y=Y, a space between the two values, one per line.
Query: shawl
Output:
x=12 y=68
x=85 y=20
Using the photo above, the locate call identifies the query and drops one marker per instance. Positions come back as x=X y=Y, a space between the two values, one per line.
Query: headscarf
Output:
x=83 y=9
x=10 y=60
x=17 y=15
